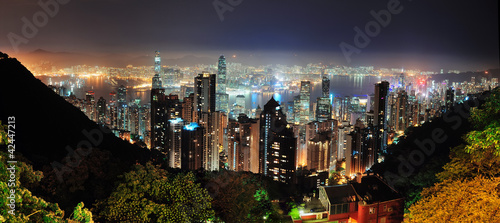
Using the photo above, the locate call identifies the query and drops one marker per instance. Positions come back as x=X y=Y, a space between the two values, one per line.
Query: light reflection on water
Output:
x=339 y=86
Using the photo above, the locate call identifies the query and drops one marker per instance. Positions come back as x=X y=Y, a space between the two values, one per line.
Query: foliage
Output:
x=150 y=194
x=28 y=208
x=475 y=200
x=81 y=214
x=294 y=212
x=469 y=187
x=239 y=197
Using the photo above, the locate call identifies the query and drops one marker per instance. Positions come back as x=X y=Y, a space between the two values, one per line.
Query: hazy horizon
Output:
x=424 y=34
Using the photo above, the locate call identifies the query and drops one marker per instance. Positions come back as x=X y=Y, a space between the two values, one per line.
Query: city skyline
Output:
x=249 y=111
x=455 y=35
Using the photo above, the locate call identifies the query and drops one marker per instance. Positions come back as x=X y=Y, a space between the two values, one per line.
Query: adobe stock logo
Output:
x=372 y=29
x=221 y=7
x=39 y=19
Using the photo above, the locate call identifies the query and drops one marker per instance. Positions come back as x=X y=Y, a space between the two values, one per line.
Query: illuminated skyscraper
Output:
x=192 y=147
x=222 y=103
x=113 y=113
x=157 y=83
x=122 y=109
x=174 y=144
x=323 y=103
x=101 y=111
x=90 y=110
x=205 y=115
x=158 y=63
x=204 y=98
x=325 y=87
x=380 y=115
x=277 y=147
x=305 y=101
x=221 y=75
x=158 y=119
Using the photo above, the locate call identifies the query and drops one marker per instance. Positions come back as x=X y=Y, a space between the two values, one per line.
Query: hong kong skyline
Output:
x=410 y=34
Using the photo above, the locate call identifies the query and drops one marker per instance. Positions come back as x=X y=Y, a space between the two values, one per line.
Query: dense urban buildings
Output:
x=211 y=117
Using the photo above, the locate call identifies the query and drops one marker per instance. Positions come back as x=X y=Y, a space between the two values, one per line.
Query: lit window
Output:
x=372 y=210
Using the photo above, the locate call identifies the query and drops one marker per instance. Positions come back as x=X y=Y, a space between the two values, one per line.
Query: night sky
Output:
x=426 y=33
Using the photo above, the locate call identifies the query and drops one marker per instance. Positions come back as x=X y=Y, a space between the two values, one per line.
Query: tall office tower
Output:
x=145 y=119
x=450 y=98
x=158 y=67
x=90 y=105
x=174 y=144
x=210 y=152
x=113 y=113
x=192 y=147
x=325 y=87
x=174 y=107
x=296 y=109
x=401 y=119
x=187 y=108
x=233 y=139
x=277 y=147
x=101 y=111
x=157 y=83
x=158 y=119
x=401 y=81
x=134 y=116
x=204 y=113
x=345 y=108
x=359 y=151
x=380 y=116
x=204 y=96
x=305 y=101
x=222 y=103
x=323 y=103
x=122 y=109
x=243 y=149
x=323 y=109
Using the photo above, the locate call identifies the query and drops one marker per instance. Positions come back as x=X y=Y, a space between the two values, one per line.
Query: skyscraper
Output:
x=122 y=108
x=158 y=70
x=277 y=145
x=204 y=98
x=222 y=103
x=157 y=83
x=101 y=111
x=174 y=144
x=208 y=118
x=380 y=115
x=158 y=119
x=325 y=87
x=305 y=101
x=323 y=103
x=90 y=110
x=113 y=113
x=192 y=146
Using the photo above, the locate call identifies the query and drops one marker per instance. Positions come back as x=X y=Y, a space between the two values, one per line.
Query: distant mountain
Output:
x=67 y=59
x=80 y=161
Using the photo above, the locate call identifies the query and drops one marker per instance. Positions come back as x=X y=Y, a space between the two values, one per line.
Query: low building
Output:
x=369 y=200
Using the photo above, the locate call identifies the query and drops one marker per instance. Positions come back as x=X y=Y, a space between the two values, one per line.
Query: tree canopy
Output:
x=469 y=186
x=150 y=194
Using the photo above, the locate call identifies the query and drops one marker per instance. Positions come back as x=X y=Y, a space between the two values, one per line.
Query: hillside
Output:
x=80 y=161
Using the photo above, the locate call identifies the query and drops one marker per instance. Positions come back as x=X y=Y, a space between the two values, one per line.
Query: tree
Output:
x=475 y=200
x=239 y=197
x=469 y=187
x=81 y=214
x=150 y=194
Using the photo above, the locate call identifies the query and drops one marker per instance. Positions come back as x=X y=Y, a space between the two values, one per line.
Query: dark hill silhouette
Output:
x=46 y=126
